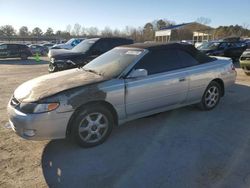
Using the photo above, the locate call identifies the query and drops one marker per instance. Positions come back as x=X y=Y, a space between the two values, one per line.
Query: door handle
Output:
x=182 y=79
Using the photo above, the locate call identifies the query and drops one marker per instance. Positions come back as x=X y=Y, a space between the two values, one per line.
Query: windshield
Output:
x=209 y=46
x=112 y=63
x=84 y=46
x=70 y=41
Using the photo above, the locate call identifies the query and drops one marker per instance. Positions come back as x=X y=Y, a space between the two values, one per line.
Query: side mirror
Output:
x=138 y=73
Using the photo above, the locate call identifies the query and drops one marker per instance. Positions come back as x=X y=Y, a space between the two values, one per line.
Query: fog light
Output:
x=29 y=132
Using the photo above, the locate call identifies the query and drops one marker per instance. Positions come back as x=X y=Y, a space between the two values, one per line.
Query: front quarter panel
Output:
x=111 y=91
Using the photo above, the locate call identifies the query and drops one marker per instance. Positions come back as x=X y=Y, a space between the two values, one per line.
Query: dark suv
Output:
x=14 y=50
x=224 y=48
x=87 y=50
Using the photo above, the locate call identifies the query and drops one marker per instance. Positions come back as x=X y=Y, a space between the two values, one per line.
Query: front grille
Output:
x=14 y=102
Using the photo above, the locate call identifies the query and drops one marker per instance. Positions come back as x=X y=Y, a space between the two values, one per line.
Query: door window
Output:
x=160 y=61
x=102 y=46
x=187 y=59
x=12 y=46
x=224 y=45
x=3 y=47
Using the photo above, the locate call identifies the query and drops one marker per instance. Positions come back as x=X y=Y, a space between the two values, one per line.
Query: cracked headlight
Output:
x=33 y=108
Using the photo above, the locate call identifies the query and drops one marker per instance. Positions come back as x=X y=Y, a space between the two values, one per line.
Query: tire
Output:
x=23 y=56
x=52 y=68
x=247 y=73
x=87 y=130
x=211 y=96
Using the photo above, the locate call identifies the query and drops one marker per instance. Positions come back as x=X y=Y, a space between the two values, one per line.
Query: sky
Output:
x=118 y=14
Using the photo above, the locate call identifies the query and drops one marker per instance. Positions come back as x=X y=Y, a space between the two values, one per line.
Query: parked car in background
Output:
x=48 y=45
x=69 y=44
x=248 y=43
x=222 y=48
x=245 y=62
x=80 y=55
x=36 y=48
x=14 y=50
x=198 y=44
x=126 y=83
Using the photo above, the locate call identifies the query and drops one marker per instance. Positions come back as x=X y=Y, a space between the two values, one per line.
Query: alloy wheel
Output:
x=93 y=127
x=212 y=96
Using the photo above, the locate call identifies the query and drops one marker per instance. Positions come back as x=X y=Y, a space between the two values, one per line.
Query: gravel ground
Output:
x=180 y=148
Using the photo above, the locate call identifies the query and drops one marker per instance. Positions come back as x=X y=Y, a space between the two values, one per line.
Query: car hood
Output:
x=56 y=53
x=47 y=85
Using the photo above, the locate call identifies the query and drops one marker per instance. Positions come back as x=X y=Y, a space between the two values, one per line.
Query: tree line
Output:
x=145 y=33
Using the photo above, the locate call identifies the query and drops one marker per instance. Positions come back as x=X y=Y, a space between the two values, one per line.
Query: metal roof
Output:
x=175 y=26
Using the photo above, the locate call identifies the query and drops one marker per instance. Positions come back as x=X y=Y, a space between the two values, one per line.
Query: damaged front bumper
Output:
x=43 y=126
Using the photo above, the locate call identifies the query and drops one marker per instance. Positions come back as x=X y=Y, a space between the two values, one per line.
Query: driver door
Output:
x=165 y=85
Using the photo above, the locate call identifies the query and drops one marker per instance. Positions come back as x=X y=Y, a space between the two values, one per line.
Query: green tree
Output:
x=161 y=24
x=58 y=33
x=148 y=32
x=7 y=30
x=49 y=32
x=37 y=31
x=23 y=31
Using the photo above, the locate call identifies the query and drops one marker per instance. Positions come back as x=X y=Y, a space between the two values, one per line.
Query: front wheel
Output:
x=52 y=68
x=92 y=126
x=211 y=96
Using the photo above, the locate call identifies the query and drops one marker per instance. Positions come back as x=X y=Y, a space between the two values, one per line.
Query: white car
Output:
x=68 y=45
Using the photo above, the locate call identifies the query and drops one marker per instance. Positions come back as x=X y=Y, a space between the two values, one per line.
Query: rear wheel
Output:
x=24 y=56
x=92 y=126
x=211 y=96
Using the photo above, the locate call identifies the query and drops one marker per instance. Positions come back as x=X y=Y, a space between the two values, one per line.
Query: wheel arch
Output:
x=81 y=107
x=221 y=83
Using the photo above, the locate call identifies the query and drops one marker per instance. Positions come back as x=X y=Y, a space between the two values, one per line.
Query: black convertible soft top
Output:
x=190 y=49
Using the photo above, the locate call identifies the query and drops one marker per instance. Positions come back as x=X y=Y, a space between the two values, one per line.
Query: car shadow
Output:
x=179 y=148
x=16 y=61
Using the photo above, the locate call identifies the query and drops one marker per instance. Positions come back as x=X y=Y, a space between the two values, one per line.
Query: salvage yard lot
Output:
x=180 y=148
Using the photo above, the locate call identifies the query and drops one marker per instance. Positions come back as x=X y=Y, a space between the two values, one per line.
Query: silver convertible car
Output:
x=125 y=83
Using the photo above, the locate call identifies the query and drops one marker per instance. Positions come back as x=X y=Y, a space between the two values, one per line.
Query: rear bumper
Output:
x=44 y=126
